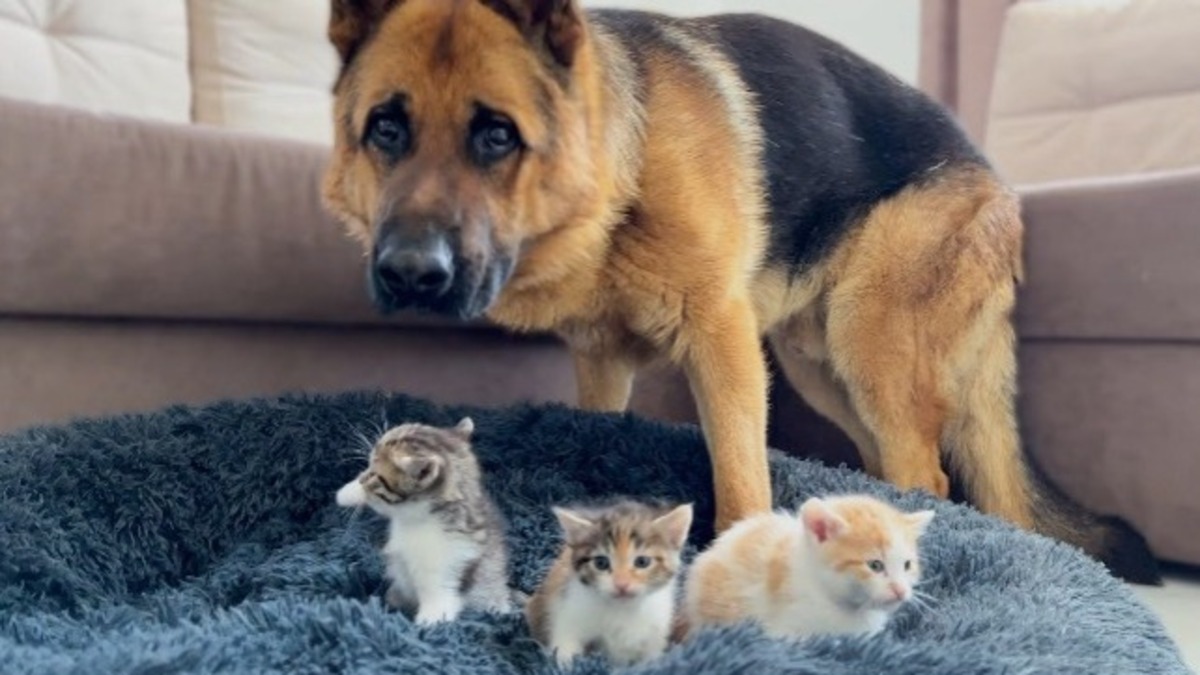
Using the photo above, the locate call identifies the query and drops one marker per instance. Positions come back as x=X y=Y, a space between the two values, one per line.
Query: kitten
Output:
x=612 y=588
x=445 y=548
x=843 y=566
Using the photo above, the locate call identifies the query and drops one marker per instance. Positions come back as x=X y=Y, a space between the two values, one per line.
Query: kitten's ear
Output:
x=352 y=494
x=423 y=470
x=464 y=428
x=574 y=526
x=351 y=22
x=676 y=525
x=919 y=521
x=820 y=520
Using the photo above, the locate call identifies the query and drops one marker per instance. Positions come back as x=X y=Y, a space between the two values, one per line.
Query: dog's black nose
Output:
x=415 y=272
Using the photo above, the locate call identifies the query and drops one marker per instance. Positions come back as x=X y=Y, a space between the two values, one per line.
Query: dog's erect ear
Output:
x=351 y=22
x=556 y=25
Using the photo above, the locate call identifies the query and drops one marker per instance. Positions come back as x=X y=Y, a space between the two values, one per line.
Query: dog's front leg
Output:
x=605 y=380
x=727 y=372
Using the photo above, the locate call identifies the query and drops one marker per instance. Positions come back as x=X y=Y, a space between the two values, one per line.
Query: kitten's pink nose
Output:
x=898 y=592
x=623 y=588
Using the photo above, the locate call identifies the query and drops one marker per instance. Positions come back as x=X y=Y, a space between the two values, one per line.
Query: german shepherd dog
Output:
x=650 y=187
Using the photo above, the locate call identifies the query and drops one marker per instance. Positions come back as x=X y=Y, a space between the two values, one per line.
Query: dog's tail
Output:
x=999 y=478
x=1107 y=538
x=1031 y=500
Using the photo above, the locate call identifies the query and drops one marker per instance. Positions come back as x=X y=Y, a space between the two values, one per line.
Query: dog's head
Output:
x=460 y=140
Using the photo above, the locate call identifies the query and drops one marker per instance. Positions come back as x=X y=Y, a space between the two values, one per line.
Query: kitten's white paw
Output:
x=565 y=654
x=436 y=612
x=432 y=619
x=352 y=494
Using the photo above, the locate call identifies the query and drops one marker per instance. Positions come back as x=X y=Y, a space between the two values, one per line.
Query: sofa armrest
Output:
x=104 y=216
x=1113 y=259
x=959 y=43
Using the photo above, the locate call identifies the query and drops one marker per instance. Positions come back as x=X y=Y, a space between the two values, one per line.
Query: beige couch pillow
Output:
x=263 y=66
x=1089 y=88
x=118 y=56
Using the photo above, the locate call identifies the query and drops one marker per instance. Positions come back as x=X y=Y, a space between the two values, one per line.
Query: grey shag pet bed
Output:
x=208 y=541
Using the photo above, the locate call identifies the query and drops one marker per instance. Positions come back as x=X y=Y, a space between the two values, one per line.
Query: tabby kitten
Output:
x=612 y=589
x=842 y=567
x=445 y=548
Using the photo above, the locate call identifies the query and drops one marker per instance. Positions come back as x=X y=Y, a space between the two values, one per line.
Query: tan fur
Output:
x=677 y=284
x=638 y=242
x=751 y=571
x=909 y=347
x=760 y=549
x=537 y=610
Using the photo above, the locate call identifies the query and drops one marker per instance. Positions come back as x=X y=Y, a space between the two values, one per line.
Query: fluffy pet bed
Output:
x=208 y=541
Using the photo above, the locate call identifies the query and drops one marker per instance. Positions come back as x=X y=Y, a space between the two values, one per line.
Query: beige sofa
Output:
x=161 y=239
x=175 y=252
x=1093 y=110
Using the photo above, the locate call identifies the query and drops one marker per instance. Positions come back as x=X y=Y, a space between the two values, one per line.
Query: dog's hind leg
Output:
x=814 y=381
x=983 y=442
x=909 y=296
x=900 y=407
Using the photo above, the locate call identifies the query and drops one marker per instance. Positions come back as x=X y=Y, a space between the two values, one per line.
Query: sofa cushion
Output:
x=1113 y=259
x=1114 y=425
x=120 y=56
x=265 y=67
x=113 y=217
x=1087 y=89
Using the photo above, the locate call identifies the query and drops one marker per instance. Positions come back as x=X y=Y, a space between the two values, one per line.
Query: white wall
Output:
x=885 y=31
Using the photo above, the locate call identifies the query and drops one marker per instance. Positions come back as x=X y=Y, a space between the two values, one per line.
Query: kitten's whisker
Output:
x=362 y=438
x=923 y=602
x=350 y=519
x=350 y=457
x=924 y=599
x=920 y=607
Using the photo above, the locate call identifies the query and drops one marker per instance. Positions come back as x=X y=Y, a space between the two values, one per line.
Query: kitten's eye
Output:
x=602 y=563
x=493 y=137
x=642 y=562
x=876 y=566
x=907 y=565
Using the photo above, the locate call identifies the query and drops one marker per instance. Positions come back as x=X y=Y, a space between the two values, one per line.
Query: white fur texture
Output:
x=426 y=562
x=626 y=630
x=816 y=599
x=352 y=494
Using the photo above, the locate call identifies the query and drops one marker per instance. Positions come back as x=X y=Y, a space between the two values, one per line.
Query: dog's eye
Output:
x=493 y=137
x=387 y=131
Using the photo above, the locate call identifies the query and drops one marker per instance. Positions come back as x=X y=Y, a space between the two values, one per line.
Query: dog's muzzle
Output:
x=412 y=273
x=427 y=274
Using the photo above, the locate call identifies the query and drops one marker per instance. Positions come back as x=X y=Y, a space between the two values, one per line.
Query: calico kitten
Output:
x=844 y=565
x=612 y=589
x=445 y=548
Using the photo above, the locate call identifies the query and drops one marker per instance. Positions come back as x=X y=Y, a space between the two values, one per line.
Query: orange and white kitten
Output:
x=612 y=589
x=843 y=565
